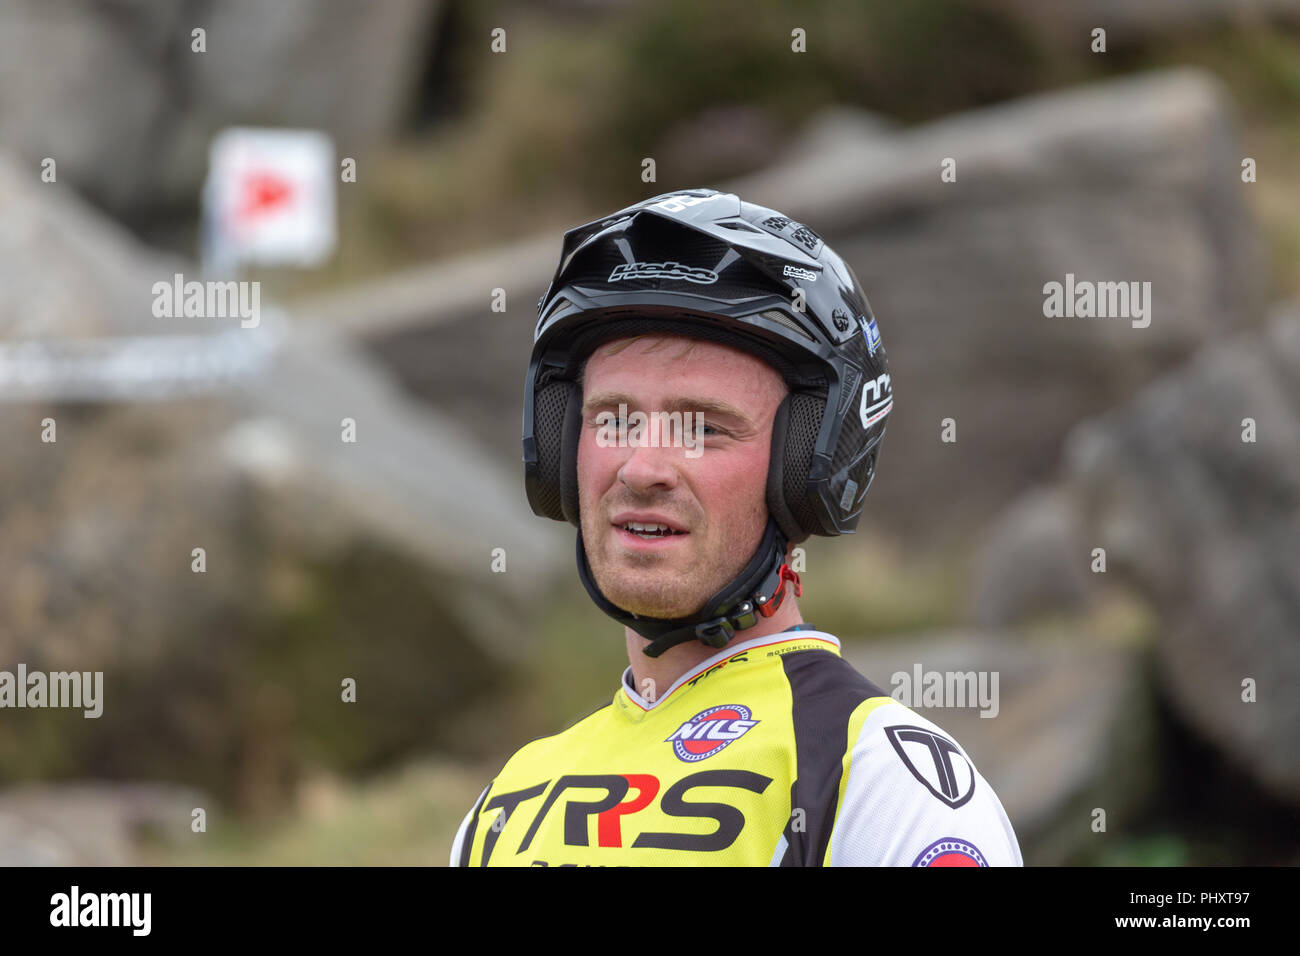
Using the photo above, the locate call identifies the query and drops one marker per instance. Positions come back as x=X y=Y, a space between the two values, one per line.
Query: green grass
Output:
x=1167 y=849
x=407 y=818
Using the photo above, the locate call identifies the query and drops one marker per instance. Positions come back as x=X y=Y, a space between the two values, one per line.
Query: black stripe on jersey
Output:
x=468 y=845
x=825 y=690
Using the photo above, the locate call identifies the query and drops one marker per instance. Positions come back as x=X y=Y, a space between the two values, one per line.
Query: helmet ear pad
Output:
x=555 y=406
x=794 y=436
x=568 y=444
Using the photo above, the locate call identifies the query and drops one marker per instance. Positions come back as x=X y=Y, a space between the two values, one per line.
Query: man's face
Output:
x=713 y=497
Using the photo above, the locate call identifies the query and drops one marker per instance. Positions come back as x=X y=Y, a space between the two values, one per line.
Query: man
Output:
x=739 y=736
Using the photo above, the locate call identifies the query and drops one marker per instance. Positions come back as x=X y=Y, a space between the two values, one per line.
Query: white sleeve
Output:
x=914 y=798
x=454 y=859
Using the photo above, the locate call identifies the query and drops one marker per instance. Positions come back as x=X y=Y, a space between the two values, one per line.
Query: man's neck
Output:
x=652 y=676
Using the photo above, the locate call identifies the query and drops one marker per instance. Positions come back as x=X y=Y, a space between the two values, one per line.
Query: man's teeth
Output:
x=648 y=530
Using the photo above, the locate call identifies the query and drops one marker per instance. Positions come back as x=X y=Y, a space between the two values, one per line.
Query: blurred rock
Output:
x=1073 y=729
x=1207 y=526
x=347 y=68
x=67 y=272
x=1136 y=179
x=95 y=824
x=720 y=139
x=412 y=322
x=1033 y=562
x=325 y=559
x=831 y=127
x=22 y=844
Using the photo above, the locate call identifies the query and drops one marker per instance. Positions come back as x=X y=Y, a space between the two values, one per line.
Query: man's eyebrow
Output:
x=683 y=403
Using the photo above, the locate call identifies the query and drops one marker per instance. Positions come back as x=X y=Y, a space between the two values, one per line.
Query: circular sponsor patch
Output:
x=710 y=731
x=950 y=851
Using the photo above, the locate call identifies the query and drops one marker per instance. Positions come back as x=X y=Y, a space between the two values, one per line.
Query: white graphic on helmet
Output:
x=664 y=270
x=680 y=202
x=877 y=400
x=794 y=272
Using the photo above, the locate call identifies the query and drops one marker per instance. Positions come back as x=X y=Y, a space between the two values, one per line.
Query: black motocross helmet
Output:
x=704 y=264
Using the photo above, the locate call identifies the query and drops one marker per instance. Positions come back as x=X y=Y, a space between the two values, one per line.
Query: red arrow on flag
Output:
x=263 y=192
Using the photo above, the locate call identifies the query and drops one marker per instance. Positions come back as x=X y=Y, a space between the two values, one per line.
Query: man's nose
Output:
x=649 y=466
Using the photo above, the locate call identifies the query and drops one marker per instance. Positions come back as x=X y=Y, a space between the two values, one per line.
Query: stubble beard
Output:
x=654 y=585
x=648 y=585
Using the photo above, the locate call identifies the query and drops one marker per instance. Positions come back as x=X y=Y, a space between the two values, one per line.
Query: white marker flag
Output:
x=269 y=199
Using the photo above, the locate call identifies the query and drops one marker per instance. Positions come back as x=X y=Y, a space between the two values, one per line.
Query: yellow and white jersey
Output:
x=774 y=752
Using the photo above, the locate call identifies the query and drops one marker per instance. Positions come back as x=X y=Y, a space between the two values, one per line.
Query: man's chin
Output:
x=660 y=612
x=661 y=601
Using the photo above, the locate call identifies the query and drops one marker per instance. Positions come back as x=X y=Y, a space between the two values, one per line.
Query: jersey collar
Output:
x=829 y=641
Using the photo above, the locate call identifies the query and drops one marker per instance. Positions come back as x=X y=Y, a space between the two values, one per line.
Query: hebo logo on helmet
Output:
x=684 y=201
x=877 y=400
x=662 y=270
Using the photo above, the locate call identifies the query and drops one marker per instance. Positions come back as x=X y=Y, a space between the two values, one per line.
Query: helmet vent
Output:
x=559 y=303
x=782 y=319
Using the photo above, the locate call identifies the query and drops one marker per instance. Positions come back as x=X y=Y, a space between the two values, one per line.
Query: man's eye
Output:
x=701 y=429
x=673 y=428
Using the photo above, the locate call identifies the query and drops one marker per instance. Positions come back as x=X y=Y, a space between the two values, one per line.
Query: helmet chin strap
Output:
x=753 y=595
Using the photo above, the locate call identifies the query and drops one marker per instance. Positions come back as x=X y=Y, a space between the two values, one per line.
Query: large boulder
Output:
x=1193 y=490
x=1033 y=563
x=1136 y=179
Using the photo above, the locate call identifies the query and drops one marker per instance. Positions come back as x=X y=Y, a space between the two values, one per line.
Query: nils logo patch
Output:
x=951 y=851
x=710 y=731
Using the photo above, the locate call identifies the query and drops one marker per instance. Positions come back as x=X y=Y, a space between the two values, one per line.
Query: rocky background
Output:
x=1157 y=685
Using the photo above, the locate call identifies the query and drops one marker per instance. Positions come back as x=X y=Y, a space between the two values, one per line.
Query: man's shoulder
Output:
x=540 y=749
x=893 y=737
x=913 y=796
x=826 y=686
x=824 y=682
x=536 y=753
x=903 y=790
